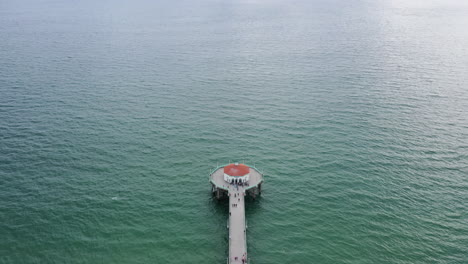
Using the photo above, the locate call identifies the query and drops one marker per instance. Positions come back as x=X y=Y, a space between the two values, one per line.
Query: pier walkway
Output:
x=237 y=225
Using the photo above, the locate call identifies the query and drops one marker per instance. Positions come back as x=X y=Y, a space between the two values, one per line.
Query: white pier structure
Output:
x=236 y=181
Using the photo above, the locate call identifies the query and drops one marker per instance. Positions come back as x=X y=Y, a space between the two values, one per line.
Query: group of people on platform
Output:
x=239 y=182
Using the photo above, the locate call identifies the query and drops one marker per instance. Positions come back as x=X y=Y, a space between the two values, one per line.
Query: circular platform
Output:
x=217 y=176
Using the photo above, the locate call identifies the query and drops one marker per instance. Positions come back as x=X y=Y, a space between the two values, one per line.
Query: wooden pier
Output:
x=223 y=187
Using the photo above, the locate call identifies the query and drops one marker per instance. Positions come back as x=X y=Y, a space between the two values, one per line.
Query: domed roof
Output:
x=236 y=169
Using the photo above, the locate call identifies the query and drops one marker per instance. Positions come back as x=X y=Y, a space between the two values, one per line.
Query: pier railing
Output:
x=217 y=185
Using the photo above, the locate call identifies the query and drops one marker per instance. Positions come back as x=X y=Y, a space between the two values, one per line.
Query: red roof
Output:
x=236 y=169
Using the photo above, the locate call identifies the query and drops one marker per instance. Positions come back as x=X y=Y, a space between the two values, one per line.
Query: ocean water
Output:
x=113 y=112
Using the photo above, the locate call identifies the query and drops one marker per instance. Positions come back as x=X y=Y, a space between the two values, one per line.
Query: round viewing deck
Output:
x=218 y=176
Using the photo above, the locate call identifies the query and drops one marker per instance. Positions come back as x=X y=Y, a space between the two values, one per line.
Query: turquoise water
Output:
x=113 y=112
